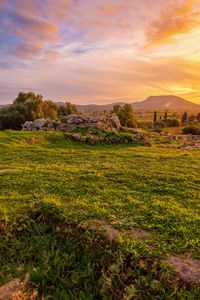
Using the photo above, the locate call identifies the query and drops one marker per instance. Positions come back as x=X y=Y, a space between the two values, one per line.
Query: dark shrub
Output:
x=159 y=124
x=172 y=122
x=194 y=130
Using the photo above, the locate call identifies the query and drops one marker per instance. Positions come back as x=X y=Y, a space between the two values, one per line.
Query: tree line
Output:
x=30 y=106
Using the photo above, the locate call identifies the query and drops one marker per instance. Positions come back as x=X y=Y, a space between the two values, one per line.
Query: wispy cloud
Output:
x=176 y=17
x=91 y=50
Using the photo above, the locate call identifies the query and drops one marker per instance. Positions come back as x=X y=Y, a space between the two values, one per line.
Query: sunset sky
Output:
x=100 y=51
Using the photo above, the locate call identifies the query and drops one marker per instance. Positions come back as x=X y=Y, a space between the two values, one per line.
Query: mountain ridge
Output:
x=151 y=103
x=163 y=103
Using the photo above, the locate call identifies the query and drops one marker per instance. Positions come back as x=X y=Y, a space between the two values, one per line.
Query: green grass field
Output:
x=51 y=188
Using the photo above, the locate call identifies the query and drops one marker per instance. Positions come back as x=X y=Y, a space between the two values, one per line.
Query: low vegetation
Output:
x=98 y=222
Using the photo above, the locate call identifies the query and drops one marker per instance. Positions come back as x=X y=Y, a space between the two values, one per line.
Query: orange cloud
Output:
x=58 y=9
x=175 y=18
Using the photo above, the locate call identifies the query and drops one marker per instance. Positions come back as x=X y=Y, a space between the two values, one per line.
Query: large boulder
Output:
x=8 y=290
x=34 y=125
x=39 y=123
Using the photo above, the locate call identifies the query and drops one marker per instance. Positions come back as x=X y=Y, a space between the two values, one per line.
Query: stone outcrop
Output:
x=105 y=123
x=188 y=141
x=44 y=124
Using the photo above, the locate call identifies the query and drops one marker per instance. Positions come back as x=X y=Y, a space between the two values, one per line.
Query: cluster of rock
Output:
x=180 y=141
x=109 y=139
x=188 y=141
x=105 y=123
x=42 y=124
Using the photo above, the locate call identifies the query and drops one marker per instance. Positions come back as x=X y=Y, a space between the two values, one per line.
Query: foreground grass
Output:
x=51 y=182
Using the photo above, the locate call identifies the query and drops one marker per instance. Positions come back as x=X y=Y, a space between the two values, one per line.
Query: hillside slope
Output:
x=165 y=102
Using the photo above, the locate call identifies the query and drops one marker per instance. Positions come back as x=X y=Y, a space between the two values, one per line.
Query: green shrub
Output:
x=126 y=115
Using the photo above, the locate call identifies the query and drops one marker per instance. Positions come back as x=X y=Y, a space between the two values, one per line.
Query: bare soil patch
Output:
x=139 y=233
x=5 y=170
x=187 y=268
x=111 y=232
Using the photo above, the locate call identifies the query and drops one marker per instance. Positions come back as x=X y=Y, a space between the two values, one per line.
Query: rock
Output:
x=18 y=290
x=39 y=123
x=105 y=123
x=27 y=125
x=58 y=229
x=35 y=125
x=8 y=290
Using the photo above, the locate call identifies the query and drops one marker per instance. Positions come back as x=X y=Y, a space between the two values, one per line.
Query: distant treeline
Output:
x=30 y=106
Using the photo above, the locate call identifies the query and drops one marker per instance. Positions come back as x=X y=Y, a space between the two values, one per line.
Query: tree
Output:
x=192 y=118
x=30 y=104
x=198 y=117
x=125 y=114
x=50 y=110
x=28 y=107
x=184 y=117
x=165 y=116
x=67 y=109
x=155 y=117
x=11 y=118
x=24 y=97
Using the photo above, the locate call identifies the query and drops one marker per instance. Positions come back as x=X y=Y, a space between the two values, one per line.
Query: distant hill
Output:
x=164 y=103
x=96 y=107
x=160 y=103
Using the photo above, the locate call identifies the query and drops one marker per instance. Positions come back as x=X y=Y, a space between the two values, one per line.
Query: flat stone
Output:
x=8 y=290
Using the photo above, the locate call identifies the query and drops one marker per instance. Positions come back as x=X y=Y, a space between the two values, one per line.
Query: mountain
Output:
x=160 y=103
x=165 y=103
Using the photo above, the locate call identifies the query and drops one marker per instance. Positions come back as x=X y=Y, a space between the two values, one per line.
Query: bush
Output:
x=159 y=124
x=172 y=122
x=126 y=115
x=194 y=130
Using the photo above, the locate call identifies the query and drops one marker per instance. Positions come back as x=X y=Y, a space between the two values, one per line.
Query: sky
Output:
x=100 y=51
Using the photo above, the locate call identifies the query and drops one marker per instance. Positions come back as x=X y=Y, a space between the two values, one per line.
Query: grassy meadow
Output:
x=52 y=189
